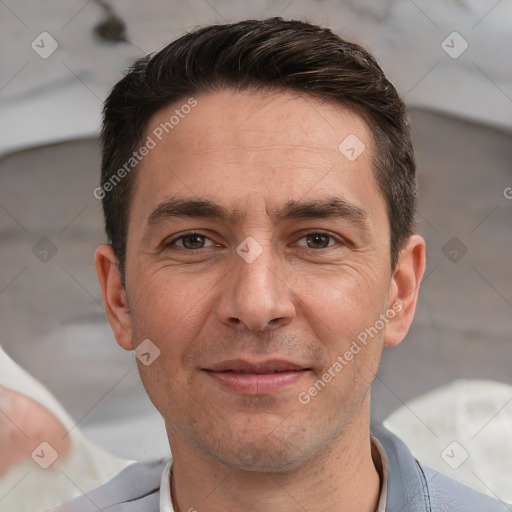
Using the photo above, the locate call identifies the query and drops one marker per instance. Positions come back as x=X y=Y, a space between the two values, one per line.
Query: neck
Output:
x=342 y=477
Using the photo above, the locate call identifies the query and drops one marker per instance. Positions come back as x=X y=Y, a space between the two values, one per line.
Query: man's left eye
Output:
x=318 y=240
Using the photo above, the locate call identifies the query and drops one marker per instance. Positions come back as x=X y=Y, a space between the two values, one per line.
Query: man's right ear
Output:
x=114 y=296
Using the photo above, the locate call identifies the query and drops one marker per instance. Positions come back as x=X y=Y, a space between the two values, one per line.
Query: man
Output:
x=258 y=185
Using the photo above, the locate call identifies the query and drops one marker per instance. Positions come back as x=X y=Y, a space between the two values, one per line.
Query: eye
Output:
x=190 y=241
x=318 y=240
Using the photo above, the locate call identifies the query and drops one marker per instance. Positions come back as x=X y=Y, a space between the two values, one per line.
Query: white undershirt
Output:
x=165 y=485
x=165 y=490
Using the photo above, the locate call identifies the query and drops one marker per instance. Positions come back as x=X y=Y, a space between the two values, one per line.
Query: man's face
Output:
x=311 y=273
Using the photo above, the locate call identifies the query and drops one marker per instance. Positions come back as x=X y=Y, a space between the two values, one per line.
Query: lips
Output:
x=262 y=368
x=262 y=378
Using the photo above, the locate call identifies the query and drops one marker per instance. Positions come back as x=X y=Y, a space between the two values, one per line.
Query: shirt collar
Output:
x=384 y=473
x=165 y=490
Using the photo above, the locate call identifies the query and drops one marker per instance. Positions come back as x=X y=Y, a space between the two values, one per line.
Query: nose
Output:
x=255 y=295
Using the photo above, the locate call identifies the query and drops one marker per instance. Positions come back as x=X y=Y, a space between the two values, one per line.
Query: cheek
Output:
x=343 y=303
x=169 y=305
x=344 y=314
x=170 y=310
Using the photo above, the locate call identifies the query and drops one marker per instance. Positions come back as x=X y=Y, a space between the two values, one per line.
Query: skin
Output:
x=304 y=299
x=24 y=425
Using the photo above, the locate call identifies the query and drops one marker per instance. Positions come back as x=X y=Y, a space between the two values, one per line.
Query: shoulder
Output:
x=448 y=495
x=135 y=489
x=413 y=485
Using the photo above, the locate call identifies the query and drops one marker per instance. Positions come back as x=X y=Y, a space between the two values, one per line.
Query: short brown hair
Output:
x=271 y=54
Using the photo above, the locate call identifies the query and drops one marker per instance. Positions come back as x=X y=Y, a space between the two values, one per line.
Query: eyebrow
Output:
x=331 y=207
x=193 y=208
x=199 y=208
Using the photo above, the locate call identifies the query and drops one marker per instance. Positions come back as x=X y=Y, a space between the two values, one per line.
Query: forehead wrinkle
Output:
x=264 y=147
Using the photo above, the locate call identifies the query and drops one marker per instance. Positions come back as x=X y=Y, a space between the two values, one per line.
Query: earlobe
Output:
x=114 y=296
x=404 y=289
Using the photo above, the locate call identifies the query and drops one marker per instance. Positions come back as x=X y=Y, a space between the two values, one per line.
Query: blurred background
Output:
x=448 y=59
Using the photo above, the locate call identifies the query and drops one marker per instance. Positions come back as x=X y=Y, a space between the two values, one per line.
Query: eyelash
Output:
x=172 y=242
x=181 y=237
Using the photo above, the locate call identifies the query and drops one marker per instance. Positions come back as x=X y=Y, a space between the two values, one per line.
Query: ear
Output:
x=114 y=296
x=404 y=288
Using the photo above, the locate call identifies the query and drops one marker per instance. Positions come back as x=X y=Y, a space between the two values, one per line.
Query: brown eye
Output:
x=318 y=240
x=189 y=241
x=192 y=241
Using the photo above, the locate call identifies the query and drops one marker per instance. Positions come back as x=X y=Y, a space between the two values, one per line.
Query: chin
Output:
x=264 y=458
x=255 y=451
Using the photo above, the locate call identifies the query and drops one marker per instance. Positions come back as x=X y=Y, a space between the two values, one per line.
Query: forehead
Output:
x=237 y=147
x=229 y=119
